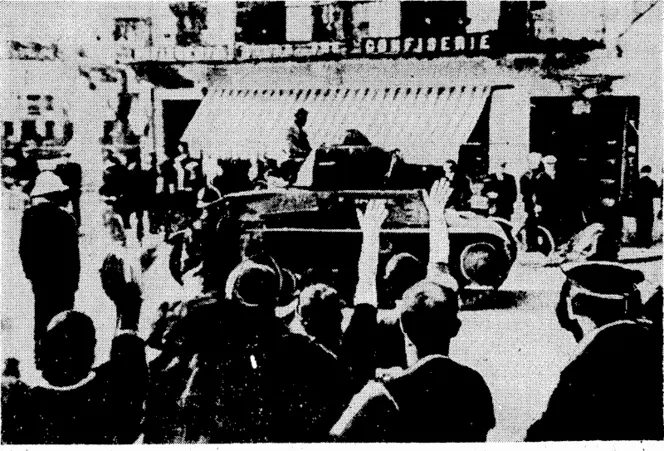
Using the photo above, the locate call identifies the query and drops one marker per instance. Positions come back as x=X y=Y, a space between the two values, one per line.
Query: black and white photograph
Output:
x=340 y=222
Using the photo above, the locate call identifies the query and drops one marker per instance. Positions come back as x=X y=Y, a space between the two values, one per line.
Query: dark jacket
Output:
x=527 y=189
x=460 y=192
x=506 y=191
x=49 y=246
x=107 y=408
x=611 y=391
x=646 y=191
x=238 y=375
x=437 y=400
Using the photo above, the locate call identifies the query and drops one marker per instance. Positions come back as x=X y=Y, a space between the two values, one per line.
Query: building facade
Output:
x=471 y=81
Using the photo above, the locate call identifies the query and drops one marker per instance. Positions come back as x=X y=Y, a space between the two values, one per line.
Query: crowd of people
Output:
x=262 y=354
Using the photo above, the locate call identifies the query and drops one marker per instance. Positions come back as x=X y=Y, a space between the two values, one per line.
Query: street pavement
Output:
x=517 y=346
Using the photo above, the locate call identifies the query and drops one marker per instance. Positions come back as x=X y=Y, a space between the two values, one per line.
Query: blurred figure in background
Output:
x=460 y=185
x=298 y=147
x=527 y=189
x=645 y=195
x=501 y=190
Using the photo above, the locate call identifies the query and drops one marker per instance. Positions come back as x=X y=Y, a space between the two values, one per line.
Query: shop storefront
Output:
x=428 y=109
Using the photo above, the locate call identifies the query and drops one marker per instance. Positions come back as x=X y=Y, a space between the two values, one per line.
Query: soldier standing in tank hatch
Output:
x=298 y=146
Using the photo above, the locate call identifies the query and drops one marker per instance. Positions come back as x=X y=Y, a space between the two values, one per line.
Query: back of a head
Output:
x=402 y=271
x=319 y=303
x=253 y=285
x=429 y=311
x=482 y=264
x=67 y=348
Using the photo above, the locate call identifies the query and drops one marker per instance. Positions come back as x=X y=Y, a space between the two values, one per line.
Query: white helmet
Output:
x=47 y=183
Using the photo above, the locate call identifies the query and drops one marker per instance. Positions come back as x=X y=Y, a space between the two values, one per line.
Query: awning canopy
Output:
x=428 y=124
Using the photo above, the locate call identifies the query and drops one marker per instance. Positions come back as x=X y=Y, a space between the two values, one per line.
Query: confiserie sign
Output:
x=467 y=44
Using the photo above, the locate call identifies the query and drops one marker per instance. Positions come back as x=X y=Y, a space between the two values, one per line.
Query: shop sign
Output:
x=176 y=54
x=251 y=52
x=467 y=44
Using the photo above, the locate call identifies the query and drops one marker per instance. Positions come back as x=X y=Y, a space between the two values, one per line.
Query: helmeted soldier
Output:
x=612 y=388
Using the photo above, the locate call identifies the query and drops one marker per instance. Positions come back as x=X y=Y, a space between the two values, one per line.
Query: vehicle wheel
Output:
x=482 y=263
x=542 y=242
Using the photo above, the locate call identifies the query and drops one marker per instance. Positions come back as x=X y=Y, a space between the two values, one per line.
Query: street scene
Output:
x=319 y=221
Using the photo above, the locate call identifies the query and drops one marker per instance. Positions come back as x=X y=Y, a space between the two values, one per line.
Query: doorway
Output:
x=595 y=142
x=176 y=114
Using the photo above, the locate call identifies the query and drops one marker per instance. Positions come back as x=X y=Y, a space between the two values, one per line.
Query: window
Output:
x=432 y=19
x=49 y=127
x=191 y=21
x=332 y=22
x=49 y=103
x=133 y=31
x=33 y=104
x=29 y=130
x=8 y=129
x=261 y=22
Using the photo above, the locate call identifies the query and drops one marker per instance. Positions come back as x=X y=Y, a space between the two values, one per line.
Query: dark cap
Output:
x=301 y=112
x=603 y=279
x=595 y=286
x=646 y=169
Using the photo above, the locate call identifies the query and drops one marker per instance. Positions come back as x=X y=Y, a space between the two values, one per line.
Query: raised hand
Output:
x=371 y=222
x=373 y=217
x=436 y=200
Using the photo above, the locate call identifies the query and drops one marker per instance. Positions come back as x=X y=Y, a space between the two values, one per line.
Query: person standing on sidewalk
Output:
x=527 y=190
x=502 y=192
x=49 y=251
x=646 y=193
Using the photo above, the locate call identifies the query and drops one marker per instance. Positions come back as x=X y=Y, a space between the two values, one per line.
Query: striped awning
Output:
x=428 y=124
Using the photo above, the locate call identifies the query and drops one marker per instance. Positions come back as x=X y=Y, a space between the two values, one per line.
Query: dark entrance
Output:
x=595 y=141
x=177 y=114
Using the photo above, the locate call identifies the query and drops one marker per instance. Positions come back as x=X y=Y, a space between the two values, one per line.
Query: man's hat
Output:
x=263 y=283
x=47 y=183
x=602 y=281
x=253 y=284
x=549 y=159
x=206 y=196
x=301 y=112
